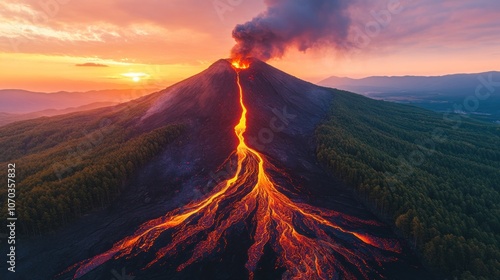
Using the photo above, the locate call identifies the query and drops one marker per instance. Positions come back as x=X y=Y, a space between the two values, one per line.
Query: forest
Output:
x=435 y=177
x=72 y=164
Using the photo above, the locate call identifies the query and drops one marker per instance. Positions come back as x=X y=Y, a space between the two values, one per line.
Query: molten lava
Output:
x=310 y=243
x=240 y=63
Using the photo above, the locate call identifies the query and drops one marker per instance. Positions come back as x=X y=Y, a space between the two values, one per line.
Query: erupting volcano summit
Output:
x=308 y=242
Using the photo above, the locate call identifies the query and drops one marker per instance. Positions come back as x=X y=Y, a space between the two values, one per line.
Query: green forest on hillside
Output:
x=75 y=163
x=436 y=177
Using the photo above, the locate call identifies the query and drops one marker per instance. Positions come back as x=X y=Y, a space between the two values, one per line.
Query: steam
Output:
x=301 y=24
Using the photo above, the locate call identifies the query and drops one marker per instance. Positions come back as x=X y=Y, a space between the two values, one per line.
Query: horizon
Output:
x=60 y=47
x=144 y=86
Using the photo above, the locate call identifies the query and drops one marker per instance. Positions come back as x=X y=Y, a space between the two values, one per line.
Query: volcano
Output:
x=250 y=200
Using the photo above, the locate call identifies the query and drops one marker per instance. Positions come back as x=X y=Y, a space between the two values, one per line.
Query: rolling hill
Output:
x=6 y=118
x=454 y=93
x=16 y=101
x=435 y=176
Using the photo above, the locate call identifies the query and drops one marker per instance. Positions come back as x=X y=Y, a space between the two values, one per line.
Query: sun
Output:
x=135 y=76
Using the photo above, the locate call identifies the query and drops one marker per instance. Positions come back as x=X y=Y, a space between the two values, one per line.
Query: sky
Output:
x=72 y=45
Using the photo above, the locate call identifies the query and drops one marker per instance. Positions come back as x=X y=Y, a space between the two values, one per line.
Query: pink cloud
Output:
x=180 y=31
x=439 y=25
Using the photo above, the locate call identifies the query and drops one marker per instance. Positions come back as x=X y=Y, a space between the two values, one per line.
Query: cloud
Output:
x=301 y=24
x=184 y=31
x=165 y=32
x=430 y=25
x=91 y=64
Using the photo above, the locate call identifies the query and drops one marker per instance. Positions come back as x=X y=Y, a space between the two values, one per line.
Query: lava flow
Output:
x=309 y=242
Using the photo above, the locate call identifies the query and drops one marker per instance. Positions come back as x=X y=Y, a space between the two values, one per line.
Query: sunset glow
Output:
x=136 y=77
x=47 y=42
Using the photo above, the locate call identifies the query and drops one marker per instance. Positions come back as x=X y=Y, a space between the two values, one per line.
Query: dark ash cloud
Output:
x=301 y=24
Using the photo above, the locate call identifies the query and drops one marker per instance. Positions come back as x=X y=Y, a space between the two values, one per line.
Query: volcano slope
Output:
x=239 y=196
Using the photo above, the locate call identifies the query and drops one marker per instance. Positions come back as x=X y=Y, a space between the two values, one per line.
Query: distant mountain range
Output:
x=6 y=118
x=437 y=93
x=17 y=101
x=20 y=105
x=378 y=85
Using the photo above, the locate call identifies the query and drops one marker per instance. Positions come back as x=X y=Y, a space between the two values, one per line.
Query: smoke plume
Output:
x=301 y=24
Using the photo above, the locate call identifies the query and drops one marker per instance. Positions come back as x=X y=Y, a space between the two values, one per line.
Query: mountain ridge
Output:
x=20 y=101
x=349 y=79
x=436 y=93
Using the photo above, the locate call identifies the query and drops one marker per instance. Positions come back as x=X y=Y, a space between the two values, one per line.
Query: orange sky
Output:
x=53 y=45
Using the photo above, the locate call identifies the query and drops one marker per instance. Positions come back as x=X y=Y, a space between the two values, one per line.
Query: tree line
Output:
x=70 y=165
x=436 y=178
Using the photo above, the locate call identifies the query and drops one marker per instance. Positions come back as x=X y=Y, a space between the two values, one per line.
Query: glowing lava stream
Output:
x=305 y=240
